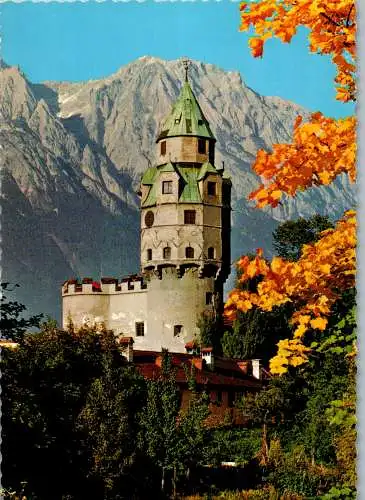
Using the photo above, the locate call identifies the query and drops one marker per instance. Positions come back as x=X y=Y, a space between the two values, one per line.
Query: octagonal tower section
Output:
x=185 y=222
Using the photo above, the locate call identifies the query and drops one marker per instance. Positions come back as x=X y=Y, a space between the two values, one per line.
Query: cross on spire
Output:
x=186 y=63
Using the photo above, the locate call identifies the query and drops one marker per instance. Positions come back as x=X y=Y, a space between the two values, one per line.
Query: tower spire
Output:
x=186 y=64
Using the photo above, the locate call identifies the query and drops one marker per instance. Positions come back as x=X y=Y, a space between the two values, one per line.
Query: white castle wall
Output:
x=176 y=301
x=166 y=302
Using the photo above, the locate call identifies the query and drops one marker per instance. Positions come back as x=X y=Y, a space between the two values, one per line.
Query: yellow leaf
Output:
x=319 y=323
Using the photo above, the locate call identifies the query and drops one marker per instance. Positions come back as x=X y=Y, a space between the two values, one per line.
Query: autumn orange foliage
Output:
x=322 y=149
x=332 y=30
x=313 y=283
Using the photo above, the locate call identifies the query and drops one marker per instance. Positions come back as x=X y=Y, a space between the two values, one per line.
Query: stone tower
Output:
x=185 y=242
x=185 y=212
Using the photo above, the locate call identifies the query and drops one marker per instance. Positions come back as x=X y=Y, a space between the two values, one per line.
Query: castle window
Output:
x=202 y=146
x=210 y=253
x=163 y=148
x=177 y=330
x=211 y=152
x=189 y=252
x=208 y=298
x=167 y=253
x=189 y=216
x=166 y=187
x=211 y=188
x=140 y=329
x=149 y=218
x=149 y=254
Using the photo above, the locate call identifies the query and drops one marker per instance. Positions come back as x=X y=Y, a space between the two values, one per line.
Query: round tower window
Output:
x=149 y=218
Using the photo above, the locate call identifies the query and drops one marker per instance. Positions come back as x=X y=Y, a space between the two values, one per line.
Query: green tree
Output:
x=109 y=423
x=173 y=437
x=210 y=330
x=49 y=428
x=12 y=325
x=311 y=411
x=290 y=236
x=254 y=334
x=159 y=420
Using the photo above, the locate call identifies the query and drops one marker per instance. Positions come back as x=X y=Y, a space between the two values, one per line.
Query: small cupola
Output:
x=185 y=134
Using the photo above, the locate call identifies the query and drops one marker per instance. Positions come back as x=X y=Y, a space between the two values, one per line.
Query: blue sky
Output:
x=80 y=41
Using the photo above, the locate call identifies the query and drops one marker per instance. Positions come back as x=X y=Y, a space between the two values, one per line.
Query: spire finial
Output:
x=186 y=63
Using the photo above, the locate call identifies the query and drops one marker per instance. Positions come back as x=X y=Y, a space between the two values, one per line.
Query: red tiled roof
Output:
x=227 y=372
x=126 y=340
x=202 y=377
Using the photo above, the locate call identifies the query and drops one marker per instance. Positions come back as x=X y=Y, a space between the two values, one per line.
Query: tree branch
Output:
x=348 y=15
x=330 y=19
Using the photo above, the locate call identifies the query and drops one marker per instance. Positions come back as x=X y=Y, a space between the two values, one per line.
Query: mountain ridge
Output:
x=74 y=154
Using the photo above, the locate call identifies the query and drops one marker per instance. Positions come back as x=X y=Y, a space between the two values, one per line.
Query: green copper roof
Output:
x=190 y=192
x=190 y=177
x=149 y=176
x=167 y=168
x=206 y=168
x=186 y=117
x=151 y=197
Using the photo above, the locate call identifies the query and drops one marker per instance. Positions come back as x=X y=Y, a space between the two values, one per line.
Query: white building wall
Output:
x=166 y=302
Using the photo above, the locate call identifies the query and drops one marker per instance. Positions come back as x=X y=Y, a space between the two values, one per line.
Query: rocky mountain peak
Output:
x=16 y=98
x=74 y=154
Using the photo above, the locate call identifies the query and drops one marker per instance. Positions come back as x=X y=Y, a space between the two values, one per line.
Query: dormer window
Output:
x=211 y=189
x=167 y=187
x=167 y=253
x=163 y=148
x=202 y=146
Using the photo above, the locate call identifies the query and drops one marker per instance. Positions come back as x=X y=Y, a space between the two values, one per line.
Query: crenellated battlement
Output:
x=106 y=286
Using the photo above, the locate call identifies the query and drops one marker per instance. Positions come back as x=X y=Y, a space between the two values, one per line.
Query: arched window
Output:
x=167 y=253
x=201 y=146
x=189 y=252
x=177 y=330
x=210 y=253
x=149 y=254
x=211 y=188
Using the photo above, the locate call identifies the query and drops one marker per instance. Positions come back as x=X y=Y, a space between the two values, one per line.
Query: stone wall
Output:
x=174 y=301
x=183 y=149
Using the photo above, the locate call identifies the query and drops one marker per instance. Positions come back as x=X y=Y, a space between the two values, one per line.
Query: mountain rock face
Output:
x=73 y=155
